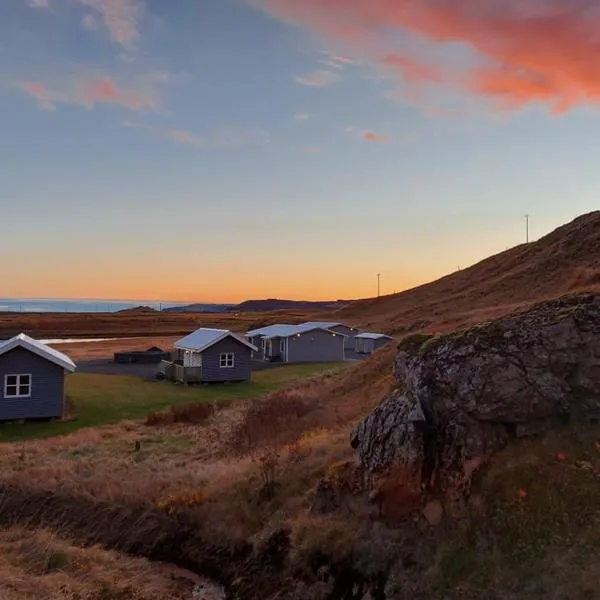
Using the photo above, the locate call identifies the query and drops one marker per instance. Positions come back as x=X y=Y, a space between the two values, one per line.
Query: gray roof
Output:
x=268 y=330
x=373 y=336
x=204 y=338
x=284 y=331
x=322 y=324
x=28 y=343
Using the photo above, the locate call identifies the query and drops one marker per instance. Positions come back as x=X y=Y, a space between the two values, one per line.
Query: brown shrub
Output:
x=189 y=413
x=265 y=419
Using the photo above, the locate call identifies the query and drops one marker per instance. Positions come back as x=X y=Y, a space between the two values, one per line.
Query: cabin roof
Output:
x=39 y=348
x=204 y=338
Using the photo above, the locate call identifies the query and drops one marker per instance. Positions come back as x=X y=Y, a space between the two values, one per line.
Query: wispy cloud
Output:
x=371 y=136
x=366 y=135
x=301 y=116
x=90 y=21
x=40 y=3
x=225 y=137
x=542 y=51
x=318 y=78
x=120 y=17
x=91 y=89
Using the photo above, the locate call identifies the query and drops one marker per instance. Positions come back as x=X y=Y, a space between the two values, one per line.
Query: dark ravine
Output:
x=461 y=397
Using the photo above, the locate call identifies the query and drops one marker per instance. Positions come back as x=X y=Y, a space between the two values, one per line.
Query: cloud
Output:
x=371 y=136
x=39 y=92
x=89 y=21
x=225 y=137
x=539 y=51
x=121 y=18
x=90 y=90
x=318 y=78
x=366 y=135
x=301 y=116
x=40 y=3
x=184 y=137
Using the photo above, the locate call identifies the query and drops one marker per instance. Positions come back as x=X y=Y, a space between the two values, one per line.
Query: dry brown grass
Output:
x=567 y=260
x=39 y=564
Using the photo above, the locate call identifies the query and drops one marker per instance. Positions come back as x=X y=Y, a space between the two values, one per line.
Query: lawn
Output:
x=107 y=399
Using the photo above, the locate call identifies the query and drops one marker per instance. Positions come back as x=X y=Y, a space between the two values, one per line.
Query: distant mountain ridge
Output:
x=266 y=305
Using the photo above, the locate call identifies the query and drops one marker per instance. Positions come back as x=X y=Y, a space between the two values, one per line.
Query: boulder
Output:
x=460 y=398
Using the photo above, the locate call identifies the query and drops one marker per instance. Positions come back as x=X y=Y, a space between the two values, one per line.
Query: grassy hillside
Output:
x=567 y=260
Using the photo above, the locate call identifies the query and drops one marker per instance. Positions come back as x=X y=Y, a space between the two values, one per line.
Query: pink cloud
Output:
x=371 y=136
x=121 y=17
x=88 y=91
x=39 y=92
x=184 y=137
x=319 y=78
x=539 y=51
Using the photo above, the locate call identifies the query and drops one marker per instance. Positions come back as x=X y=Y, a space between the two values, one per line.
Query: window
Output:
x=226 y=360
x=17 y=386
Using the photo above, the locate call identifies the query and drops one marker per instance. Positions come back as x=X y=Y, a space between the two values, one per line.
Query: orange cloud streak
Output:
x=371 y=136
x=534 y=51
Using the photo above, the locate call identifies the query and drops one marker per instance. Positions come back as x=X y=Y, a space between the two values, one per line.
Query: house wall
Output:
x=275 y=345
x=315 y=346
x=211 y=369
x=47 y=386
x=257 y=341
x=350 y=332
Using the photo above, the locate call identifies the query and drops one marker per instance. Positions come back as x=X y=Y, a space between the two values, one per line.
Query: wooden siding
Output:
x=47 y=386
x=315 y=346
x=211 y=368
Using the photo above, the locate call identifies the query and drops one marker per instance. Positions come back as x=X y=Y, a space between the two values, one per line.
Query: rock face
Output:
x=462 y=396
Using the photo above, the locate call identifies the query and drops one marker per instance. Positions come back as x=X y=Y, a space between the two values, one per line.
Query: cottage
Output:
x=367 y=343
x=209 y=355
x=349 y=332
x=297 y=344
x=32 y=379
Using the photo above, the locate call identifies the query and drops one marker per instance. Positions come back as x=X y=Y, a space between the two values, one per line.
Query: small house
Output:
x=349 y=332
x=209 y=355
x=297 y=344
x=32 y=379
x=367 y=343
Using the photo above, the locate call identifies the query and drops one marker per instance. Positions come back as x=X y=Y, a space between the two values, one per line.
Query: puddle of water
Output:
x=82 y=340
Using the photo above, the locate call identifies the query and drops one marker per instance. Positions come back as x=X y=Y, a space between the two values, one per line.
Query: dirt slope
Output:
x=566 y=260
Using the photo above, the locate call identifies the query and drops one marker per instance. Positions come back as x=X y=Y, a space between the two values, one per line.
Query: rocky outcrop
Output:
x=461 y=397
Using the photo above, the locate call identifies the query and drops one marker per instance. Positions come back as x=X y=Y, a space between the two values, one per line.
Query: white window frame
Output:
x=18 y=385
x=224 y=360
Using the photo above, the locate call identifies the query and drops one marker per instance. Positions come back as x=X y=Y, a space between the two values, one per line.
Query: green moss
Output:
x=430 y=344
x=412 y=343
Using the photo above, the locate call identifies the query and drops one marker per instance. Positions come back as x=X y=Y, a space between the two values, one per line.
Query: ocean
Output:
x=45 y=305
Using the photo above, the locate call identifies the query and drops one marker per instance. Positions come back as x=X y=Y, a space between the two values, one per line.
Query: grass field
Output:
x=107 y=399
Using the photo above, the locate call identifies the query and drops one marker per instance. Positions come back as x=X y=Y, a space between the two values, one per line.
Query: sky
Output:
x=221 y=150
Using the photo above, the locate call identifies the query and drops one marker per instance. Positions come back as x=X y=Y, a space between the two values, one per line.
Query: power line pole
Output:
x=527 y=229
x=378 y=286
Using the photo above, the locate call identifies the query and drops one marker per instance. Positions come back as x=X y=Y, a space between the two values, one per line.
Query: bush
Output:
x=189 y=413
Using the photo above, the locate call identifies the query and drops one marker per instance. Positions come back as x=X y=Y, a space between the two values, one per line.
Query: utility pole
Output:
x=527 y=229
x=378 y=286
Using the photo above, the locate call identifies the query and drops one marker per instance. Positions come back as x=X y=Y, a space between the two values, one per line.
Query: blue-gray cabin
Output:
x=367 y=343
x=210 y=356
x=298 y=344
x=32 y=380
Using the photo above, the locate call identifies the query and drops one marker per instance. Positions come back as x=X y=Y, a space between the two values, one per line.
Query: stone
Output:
x=461 y=397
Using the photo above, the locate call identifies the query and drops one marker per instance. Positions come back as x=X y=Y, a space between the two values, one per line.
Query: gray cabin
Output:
x=349 y=332
x=297 y=344
x=209 y=356
x=367 y=343
x=32 y=380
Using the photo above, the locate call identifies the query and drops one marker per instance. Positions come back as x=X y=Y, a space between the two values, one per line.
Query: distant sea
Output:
x=44 y=305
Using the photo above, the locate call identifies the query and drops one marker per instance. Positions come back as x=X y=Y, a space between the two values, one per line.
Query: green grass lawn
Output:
x=107 y=399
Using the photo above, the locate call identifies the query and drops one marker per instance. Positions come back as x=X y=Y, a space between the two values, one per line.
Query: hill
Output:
x=564 y=261
x=266 y=305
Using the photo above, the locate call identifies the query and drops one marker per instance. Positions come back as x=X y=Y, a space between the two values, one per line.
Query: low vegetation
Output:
x=98 y=400
x=40 y=564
